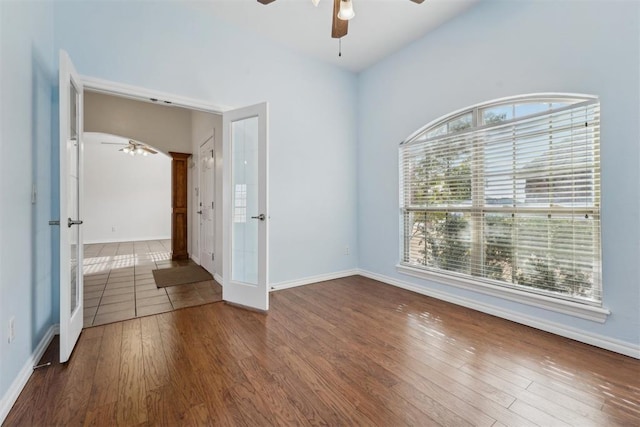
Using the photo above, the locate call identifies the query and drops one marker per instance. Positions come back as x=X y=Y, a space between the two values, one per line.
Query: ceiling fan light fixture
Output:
x=315 y=2
x=346 y=10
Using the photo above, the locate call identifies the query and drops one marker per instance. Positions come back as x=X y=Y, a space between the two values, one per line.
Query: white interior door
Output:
x=71 y=299
x=245 y=208
x=206 y=207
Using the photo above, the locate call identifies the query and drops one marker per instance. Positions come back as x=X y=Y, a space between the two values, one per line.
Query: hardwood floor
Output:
x=119 y=283
x=344 y=352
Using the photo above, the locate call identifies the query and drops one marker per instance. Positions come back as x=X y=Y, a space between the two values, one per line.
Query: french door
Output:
x=245 y=207
x=71 y=250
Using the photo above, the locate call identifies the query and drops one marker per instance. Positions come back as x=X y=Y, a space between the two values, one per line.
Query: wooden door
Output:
x=179 y=214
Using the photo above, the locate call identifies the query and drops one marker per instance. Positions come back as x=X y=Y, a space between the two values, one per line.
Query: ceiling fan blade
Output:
x=266 y=1
x=418 y=1
x=339 y=27
x=113 y=143
x=149 y=150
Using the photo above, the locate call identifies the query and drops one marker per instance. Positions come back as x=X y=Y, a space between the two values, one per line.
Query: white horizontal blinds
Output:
x=437 y=172
x=513 y=200
x=546 y=160
x=436 y=180
x=544 y=171
x=437 y=200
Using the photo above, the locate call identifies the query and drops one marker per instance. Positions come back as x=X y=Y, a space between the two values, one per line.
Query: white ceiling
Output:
x=379 y=28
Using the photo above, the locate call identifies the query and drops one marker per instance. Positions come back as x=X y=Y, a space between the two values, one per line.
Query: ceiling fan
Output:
x=134 y=148
x=342 y=13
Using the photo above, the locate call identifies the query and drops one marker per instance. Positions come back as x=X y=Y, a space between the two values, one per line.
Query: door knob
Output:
x=71 y=222
x=199 y=212
x=260 y=217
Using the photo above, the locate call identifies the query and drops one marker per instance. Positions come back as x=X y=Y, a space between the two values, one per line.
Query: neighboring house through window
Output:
x=507 y=194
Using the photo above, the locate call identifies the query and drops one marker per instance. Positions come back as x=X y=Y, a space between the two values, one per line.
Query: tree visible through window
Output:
x=508 y=193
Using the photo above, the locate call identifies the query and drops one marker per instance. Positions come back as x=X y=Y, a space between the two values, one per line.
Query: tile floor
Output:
x=119 y=285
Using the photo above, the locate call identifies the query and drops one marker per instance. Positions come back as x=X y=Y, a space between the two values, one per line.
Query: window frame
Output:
x=583 y=309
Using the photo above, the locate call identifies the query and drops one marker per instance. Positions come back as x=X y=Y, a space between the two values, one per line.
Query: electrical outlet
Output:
x=346 y=250
x=12 y=329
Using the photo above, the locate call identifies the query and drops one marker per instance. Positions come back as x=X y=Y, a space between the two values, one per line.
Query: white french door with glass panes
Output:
x=71 y=171
x=245 y=207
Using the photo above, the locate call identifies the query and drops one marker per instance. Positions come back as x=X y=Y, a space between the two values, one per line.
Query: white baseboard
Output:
x=217 y=278
x=313 y=279
x=596 y=340
x=23 y=376
x=195 y=259
x=126 y=239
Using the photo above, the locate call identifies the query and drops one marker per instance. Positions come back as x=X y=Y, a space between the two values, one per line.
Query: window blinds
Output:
x=511 y=197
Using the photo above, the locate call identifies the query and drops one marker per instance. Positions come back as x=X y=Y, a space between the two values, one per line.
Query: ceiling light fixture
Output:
x=346 y=10
x=133 y=148
x=315 y=2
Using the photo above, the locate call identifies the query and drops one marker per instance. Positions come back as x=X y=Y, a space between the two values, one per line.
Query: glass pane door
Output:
x=245 y=209
x=70 y=117
x=73 y=197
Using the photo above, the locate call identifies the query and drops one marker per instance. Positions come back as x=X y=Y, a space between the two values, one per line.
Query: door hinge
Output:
x=211 y=153
x=211 y=205
x=213 y=257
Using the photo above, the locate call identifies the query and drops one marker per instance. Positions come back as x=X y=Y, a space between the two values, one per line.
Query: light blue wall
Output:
x=27 y=81
x=497 y=49
x=176 y=48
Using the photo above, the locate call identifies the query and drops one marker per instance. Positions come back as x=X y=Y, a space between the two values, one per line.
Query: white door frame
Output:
x=203 y=260
x=143 y=94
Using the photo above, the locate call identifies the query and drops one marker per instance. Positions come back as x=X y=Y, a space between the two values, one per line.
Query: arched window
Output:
x=507 y=193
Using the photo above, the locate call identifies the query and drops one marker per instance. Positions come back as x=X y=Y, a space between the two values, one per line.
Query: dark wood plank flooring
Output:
x=343 y=352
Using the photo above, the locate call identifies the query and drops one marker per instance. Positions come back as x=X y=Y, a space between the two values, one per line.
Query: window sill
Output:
x=583 y=311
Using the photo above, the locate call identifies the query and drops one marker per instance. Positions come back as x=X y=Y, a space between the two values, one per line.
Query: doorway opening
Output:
x=136 y=203
x=243 y=188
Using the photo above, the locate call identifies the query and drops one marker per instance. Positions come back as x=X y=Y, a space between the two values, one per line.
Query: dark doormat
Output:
x=174 y=276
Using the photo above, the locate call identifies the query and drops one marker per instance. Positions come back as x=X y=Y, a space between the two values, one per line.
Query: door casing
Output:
x=206 y=208
x=144 y=94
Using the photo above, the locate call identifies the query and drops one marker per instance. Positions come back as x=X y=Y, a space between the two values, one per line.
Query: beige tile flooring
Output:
x=119 y=284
